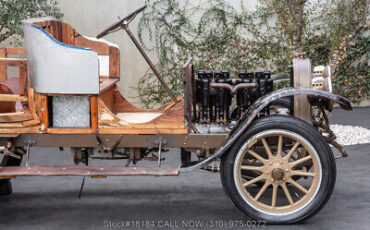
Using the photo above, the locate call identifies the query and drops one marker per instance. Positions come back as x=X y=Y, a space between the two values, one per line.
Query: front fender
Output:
x=257 y=107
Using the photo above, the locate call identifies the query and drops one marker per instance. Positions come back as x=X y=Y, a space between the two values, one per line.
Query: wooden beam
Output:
x=19 y=129
x=6 y=172
x=22 y=79
x=114 y=62
x=101 y=48
x=94 y=112
x=70 y=130
x=16 y=117
x=13 y=61
x=107 y=84
x=15 y=50
x=44 y=111
x=12 y=98
x=3 y=74
x=31 y=104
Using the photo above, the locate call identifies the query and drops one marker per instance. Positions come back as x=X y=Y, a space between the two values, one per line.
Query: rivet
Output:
x=281 y=162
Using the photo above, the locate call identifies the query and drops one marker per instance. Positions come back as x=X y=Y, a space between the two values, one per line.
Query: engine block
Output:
x=221 y=99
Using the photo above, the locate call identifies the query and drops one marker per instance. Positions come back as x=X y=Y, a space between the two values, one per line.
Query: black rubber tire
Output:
x=5 y=184
x=311 y=135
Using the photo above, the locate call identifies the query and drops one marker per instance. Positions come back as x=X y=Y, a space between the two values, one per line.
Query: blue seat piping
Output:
x=58 y=42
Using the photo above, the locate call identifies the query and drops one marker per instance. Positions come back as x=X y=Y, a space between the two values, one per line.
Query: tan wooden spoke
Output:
x=256 y=155
x=292 y=150
x=280 y=146
x=278 y=174
x=267 y=148
x=253 y=181
x=274 y=195
x=287 y=193
x=252 y=168
x=302 y=173
x=297 y=185
x=262 y=190
x=300 y=161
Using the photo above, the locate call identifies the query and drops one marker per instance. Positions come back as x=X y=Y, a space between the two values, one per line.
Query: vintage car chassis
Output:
x=171 y=126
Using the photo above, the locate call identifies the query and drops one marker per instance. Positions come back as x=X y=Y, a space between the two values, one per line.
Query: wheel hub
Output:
x=277 y=174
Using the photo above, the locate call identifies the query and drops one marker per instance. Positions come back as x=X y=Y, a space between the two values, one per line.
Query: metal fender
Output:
x=258 y=106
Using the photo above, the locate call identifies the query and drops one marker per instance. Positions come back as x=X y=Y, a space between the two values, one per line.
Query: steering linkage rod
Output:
x=152 y=66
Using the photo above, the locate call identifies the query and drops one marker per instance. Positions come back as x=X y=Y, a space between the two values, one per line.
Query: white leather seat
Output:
x=55 y=67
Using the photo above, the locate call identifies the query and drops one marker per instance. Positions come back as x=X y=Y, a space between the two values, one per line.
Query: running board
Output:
x=92 y=171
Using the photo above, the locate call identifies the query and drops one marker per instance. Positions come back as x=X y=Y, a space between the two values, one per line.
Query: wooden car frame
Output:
x=28 y=119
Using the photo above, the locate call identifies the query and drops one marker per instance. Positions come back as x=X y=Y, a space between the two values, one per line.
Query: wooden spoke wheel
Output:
x=277 y=172
x=281 y=170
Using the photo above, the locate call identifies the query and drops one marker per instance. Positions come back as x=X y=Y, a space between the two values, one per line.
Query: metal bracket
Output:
x=159 y=153
x=159 y=142
x=105 y=147
x=28 y=150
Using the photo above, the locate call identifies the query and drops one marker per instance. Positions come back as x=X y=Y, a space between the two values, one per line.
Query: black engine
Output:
x=216 y=92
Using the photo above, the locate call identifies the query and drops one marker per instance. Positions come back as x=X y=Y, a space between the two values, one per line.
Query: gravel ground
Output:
x=351 y=135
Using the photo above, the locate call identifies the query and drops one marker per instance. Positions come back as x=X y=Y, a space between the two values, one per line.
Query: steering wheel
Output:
x=125 y=21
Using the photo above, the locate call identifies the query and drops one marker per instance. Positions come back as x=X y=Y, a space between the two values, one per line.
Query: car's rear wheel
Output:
x=281 y=148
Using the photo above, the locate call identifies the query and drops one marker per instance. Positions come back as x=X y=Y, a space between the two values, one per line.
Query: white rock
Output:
x=351 y=135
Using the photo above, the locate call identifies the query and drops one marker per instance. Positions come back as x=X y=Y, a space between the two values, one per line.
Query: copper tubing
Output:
x=233 y=90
